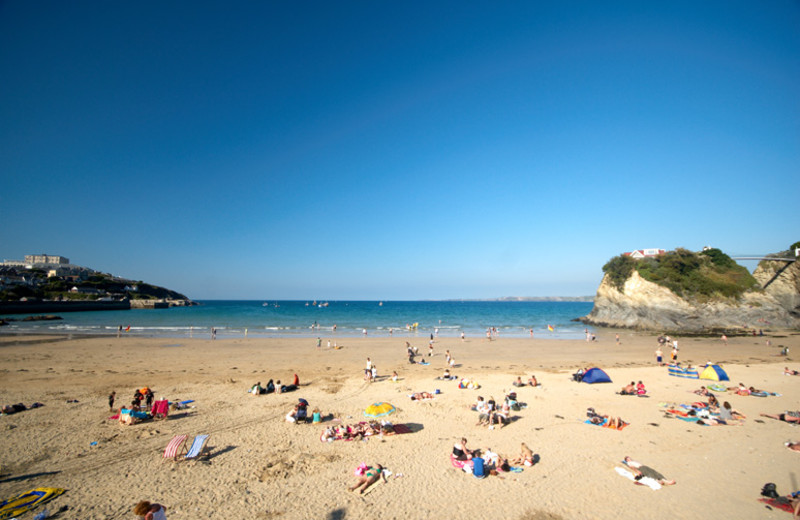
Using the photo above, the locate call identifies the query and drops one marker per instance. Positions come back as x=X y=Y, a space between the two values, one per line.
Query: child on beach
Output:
x=147 y=511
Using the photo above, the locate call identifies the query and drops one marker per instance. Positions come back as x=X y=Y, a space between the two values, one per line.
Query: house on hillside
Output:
x=644 y=253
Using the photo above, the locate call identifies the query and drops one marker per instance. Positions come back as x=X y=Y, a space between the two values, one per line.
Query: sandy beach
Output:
x=262 y=467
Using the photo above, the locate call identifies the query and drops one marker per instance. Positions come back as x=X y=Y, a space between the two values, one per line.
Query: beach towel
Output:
x=401 y=428
x=458 y=463
x=645 y=481
x=23 y=502
x=781 y=504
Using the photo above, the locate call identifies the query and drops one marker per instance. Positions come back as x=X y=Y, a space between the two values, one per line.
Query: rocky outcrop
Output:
x=644 y=305
x=781 y=280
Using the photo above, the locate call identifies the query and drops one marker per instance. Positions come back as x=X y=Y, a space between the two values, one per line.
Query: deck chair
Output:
x=198 y=447
x=160 y=409
x=175 y=447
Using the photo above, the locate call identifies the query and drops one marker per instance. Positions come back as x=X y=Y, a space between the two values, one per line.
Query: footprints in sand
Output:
x=282 y=466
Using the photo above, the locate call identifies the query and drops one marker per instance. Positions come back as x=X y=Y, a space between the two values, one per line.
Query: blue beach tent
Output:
x=595 y=375
x=714 y=373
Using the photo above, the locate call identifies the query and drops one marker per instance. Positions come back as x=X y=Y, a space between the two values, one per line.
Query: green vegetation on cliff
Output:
x=699 y=276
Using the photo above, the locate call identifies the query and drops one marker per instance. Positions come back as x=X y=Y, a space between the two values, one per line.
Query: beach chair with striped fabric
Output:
x=176 y=447
x=198 y=447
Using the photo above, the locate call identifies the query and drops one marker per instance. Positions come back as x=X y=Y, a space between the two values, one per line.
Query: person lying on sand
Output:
x=518 y=382
x=640 y=471
x=615 y=423
x=629 y=389
x=371 y=476
x=794 y=446
x=788 y=372
x=419 y=396
x=702 y=391
x=789 y=417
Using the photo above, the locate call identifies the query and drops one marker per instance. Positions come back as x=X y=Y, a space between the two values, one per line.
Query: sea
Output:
x=328 y=319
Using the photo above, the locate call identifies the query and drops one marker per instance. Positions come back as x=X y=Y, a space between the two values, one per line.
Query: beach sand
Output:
x=261 y=467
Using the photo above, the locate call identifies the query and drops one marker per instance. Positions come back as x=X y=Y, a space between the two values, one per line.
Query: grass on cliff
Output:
x=699 y=276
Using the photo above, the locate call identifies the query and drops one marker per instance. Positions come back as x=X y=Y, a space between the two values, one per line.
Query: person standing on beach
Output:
x=368 y=370
x=616 y=337
x=319 y=342
x=111 y=397
x=674 y=354
x=658 y=356
x=724 y=339
x=462 y=336
x=213 y=333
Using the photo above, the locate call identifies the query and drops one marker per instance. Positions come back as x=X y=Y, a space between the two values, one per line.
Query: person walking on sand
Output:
x=724 y=339
x=674 y=355
x=659 y=355
x=319 y=342
x=111 y=397
x=616 y=337
x=462 y=336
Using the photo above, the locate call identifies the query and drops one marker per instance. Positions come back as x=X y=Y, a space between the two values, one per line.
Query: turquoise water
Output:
x=305 y=319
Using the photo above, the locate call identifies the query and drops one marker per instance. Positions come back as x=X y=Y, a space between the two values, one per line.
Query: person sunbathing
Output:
x=615 y=423
x=629 y=389
x=788 y=372
x=794 y=446
x=525 y=456
x=371 y=476
x=518 y=382
x=703 y=391
x=789 y=417
x=533 y=381
x=419 y=396
x=640 y=471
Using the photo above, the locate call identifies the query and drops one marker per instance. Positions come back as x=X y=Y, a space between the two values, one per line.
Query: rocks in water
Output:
x=42 y=317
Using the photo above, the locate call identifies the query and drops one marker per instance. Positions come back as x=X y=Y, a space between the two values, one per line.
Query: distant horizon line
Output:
x=497 y=299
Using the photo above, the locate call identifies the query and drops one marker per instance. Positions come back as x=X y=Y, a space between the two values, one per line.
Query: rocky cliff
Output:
x=644 y=305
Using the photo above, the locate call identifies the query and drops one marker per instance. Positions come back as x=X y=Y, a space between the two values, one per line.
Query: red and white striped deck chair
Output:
x=176 y=447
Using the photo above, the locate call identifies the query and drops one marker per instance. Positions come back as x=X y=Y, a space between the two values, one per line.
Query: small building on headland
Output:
x=44 y=259
x=644 y=253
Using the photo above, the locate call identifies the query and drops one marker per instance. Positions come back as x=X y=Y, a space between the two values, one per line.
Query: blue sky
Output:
x=410 y=150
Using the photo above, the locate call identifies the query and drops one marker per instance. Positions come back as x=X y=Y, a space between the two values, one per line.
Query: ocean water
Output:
x=307 y=319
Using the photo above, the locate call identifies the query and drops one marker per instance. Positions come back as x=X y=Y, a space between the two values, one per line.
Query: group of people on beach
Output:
x=275 y=387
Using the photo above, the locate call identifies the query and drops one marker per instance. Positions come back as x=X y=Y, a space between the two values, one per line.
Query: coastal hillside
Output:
x=684 y=291
x=61 y=282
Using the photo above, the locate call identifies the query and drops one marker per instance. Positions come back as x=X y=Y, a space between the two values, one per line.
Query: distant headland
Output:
x=50 y=283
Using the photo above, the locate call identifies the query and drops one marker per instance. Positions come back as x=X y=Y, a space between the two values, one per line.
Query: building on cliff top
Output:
x=643 y=253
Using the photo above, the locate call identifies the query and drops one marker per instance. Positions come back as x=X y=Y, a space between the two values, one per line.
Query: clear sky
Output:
x=394 y=150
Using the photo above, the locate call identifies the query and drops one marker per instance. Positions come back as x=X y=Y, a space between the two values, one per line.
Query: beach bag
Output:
x=770 y=490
